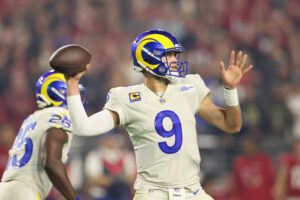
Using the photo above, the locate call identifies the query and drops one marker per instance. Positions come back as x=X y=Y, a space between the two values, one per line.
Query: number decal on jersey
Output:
x=61 y=119
x=176 y=131
x=21 y=139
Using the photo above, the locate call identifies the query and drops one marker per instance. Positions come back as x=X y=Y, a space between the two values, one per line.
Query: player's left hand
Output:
x=233 y=75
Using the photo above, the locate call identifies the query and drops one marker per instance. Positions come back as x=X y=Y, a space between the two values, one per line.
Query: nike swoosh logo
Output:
x=196 y=192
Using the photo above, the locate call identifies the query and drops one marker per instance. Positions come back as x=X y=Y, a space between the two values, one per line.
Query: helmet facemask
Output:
x=174 y=69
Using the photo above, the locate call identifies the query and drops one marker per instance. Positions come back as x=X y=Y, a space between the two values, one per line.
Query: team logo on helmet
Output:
x=51 y=90
x=148 y=49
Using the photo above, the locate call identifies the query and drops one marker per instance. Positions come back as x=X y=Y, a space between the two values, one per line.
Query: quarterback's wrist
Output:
x=72 y=87
x=229 y=87
x=72 y=81
x=231 y=96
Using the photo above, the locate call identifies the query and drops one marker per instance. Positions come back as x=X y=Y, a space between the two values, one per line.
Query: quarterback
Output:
x=36 y=159
x=159 y=116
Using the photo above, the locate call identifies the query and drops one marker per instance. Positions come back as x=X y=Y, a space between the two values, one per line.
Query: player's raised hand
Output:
x=77 y=76
x=73 y=82
x=233 y=75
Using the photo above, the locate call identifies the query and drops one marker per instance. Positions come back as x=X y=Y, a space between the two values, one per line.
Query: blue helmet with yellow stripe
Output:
x=148 y=49
x=51 y=90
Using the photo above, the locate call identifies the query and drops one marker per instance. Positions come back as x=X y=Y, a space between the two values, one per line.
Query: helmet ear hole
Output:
x=148 y=61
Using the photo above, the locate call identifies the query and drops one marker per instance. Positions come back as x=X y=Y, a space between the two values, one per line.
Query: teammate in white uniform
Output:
x=159 y=116
x=41 y=146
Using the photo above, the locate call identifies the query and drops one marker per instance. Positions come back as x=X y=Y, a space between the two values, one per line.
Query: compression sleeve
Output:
x=97 y=124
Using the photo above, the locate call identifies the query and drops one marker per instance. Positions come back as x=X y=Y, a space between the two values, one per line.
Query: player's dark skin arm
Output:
x=55 y=169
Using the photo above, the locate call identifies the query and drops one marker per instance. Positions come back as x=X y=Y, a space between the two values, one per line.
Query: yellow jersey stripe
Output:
x=38 y=196
x=135 y=196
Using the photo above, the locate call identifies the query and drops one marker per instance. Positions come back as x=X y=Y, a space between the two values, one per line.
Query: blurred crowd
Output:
x=267 y=30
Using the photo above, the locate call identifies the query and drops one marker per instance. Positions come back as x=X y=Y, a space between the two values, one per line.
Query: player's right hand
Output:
x=78 y=76
x=73 y=82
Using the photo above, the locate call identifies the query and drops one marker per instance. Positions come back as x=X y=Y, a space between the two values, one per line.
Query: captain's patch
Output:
x=134 y=96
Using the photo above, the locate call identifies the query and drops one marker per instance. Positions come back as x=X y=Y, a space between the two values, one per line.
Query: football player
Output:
x=36 y=159
x=159 y=116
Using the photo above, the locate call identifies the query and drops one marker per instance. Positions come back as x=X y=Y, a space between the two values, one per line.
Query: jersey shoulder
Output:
x=121 y=90
x=48 y=112
x=125 y=94
x=191 y=79
x=55 y=117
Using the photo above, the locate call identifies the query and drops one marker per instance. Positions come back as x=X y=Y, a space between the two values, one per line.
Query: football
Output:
x=70 y=59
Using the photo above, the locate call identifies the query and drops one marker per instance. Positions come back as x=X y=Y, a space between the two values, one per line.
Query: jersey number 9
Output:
x=176 y=131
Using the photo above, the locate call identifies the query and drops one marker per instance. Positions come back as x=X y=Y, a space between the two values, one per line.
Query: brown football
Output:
x=70 y=59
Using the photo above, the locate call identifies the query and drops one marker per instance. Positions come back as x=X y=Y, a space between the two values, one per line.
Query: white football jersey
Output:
x=162 y=130
x=25 y=163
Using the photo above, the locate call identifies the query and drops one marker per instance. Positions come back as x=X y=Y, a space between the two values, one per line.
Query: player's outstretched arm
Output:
x=230 y=118
x=52 y=151
x=83 y=125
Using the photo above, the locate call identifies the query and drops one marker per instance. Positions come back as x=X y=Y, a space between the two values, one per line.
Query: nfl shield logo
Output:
x=150 y=192
x=162 y=100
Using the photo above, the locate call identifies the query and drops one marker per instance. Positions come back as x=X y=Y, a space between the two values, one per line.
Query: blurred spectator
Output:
x=7 y=136
x=253 y=173
x=110 y=170
x=280 y=119
x=293 y=103
x=288 y=177
x=3 y=111
x=19 y=99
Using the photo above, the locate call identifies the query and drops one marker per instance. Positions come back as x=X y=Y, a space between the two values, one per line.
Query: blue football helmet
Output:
x=51 y=90
x=147 y=51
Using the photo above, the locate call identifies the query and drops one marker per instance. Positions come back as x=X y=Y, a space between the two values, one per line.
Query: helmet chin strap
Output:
x=44 y=103
x=173 y=77
x=173 y=73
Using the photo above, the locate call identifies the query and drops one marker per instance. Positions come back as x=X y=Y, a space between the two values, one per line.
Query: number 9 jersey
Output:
x=25 y=157
x=162 y=128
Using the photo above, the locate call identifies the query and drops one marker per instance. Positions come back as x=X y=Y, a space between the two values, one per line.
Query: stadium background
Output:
x=268 y=30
